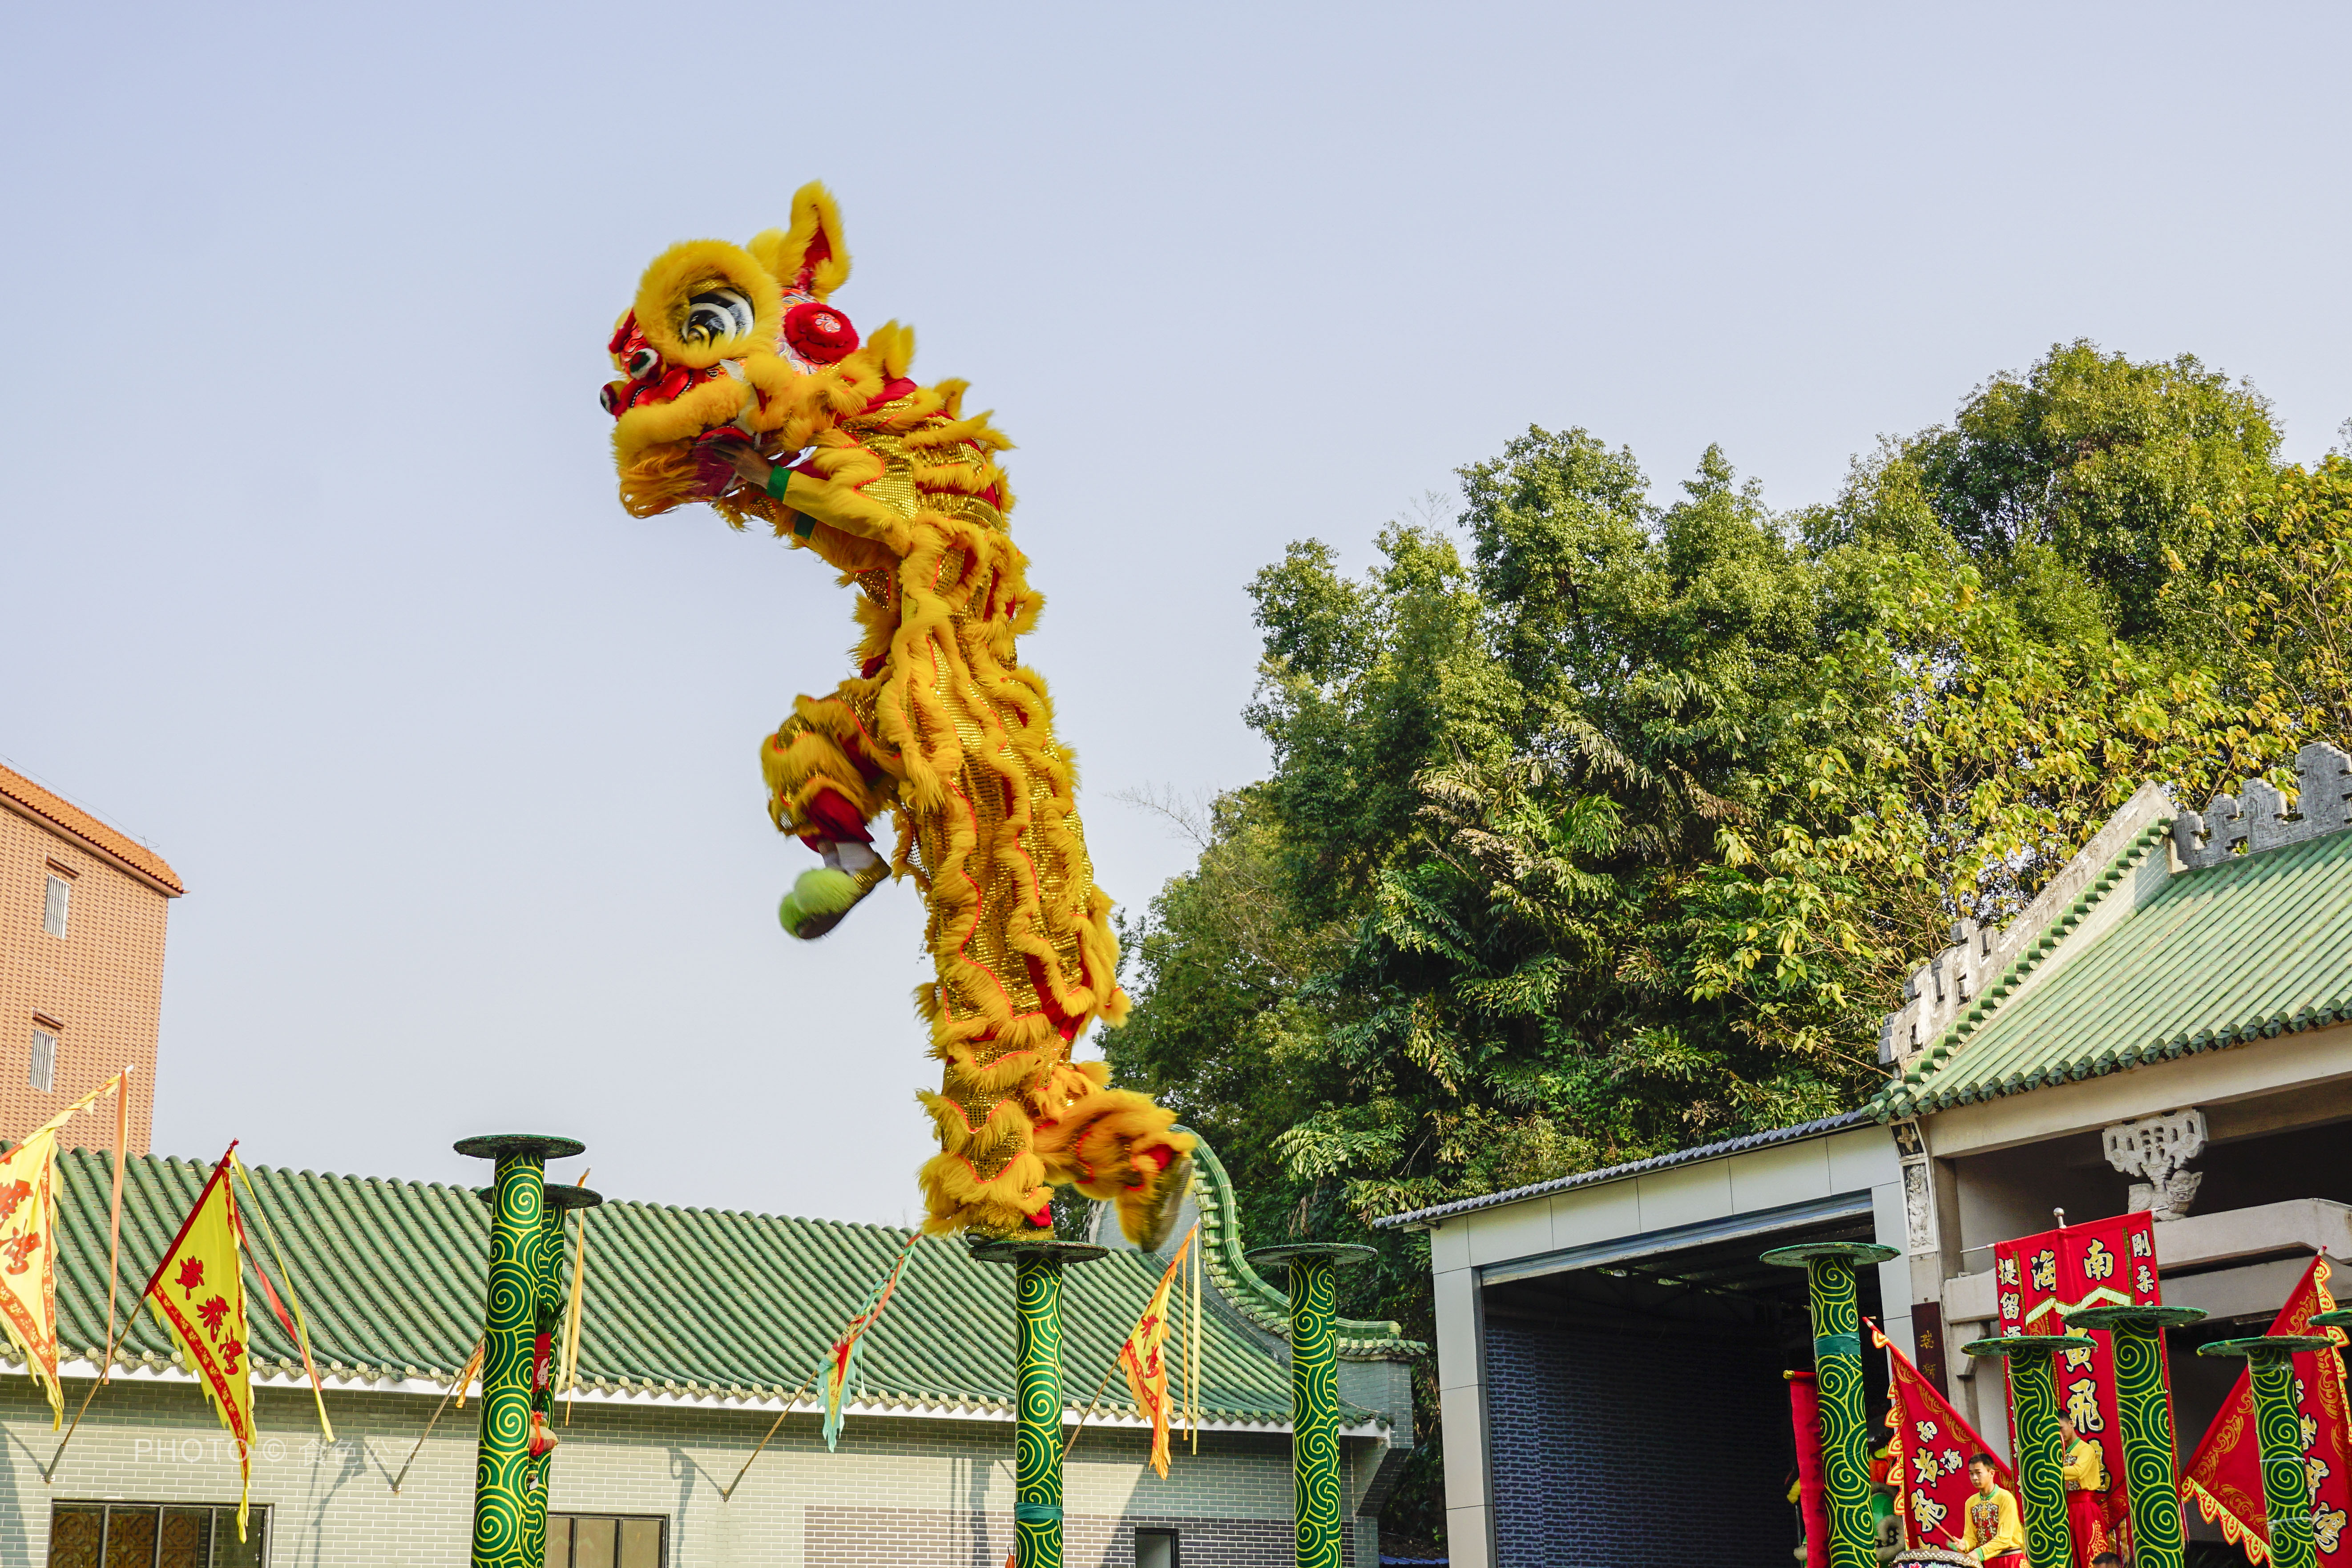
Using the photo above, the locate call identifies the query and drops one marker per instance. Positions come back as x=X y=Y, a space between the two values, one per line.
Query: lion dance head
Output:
x=731 y=343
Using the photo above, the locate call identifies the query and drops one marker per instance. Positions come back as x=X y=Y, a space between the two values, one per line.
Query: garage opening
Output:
x=1636 y=1406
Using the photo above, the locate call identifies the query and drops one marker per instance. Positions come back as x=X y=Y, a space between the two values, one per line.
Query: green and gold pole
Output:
x=1829 y=1268
x=2041 y=1456
x=1037 y=1267
x=1316 y=1495
x=2144 y=1409
x=2286 y=1484
x=502 y=1467
x=548 y=1315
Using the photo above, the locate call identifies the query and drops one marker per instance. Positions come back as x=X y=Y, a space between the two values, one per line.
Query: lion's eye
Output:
x=712 y=314
x=642 y=364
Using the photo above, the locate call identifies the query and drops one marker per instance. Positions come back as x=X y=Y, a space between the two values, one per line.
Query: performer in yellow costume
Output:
x=2084 y=1469
x=742 y=385
x=1995 y=1533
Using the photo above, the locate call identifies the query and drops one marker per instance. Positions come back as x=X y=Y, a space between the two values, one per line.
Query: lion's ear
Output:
x=808 y=258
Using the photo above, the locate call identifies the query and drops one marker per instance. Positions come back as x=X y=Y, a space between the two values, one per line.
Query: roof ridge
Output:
x=91 y=830
x=1250 y=1293
x=2186 y=984
x=1887 y=1104
x=1794 y=1132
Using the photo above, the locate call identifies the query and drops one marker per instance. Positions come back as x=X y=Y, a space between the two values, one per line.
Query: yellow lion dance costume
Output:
x=895 y=487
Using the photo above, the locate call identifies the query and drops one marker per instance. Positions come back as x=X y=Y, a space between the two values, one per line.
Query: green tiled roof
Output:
x=2258 y=945
x=693 y=1302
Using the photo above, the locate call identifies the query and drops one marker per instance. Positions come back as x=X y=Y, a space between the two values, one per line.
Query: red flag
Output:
x=1932 y=1448
x=1813 y=1494
x=2038 y=1280
x=2225 y=1477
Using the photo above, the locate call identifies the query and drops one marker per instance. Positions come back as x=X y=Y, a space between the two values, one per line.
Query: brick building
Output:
x=82 y=911
x=699 y=1326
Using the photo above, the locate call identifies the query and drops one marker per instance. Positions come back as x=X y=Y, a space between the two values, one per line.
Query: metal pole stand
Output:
x=1829 y=1268
x=502 y=1466
x=2041 y=1464
x=1316 y=1493
x=1038 y=1304
x=2286 y=1485
x=2144 y=1407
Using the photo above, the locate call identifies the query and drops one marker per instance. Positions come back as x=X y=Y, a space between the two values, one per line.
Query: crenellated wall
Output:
x=2259 y=817
x=1940 y=990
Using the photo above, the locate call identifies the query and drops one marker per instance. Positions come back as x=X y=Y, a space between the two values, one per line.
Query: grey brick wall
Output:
x=901 y=1491
x=1614 y=1449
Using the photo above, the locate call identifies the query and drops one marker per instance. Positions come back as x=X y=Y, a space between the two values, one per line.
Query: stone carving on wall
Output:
x=1918 y=1190
x=2160 y=1148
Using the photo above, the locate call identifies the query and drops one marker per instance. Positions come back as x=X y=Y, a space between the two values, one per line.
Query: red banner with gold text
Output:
x=2224 y=1478
x=2037 y=1281
x=1932 y=1446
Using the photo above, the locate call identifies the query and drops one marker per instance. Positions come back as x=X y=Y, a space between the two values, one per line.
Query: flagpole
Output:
x=1314 y=1392
x=113 y=1268
x=570 y=1374
x=1093 y=1400
x=727 y=1492
x=465 y=1378
x=503 y=1470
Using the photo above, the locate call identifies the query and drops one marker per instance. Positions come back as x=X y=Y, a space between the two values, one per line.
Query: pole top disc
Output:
x=530 y=1145
x=1852 y=1251
x=554 y=1196
x=2135 y=1316
x=1013 y=1249
x=2028 y=1344
x=1339 y=1254
x=2263 y=1346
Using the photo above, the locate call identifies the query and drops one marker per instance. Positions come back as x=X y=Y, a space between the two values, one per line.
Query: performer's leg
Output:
x=1115 y=1145
x=821 y=787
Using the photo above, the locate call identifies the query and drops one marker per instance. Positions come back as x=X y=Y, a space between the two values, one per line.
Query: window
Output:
x=1156 y=1549
x=53 y=907
x=42 y=1072
x=606 y=1541
x=156 y=1535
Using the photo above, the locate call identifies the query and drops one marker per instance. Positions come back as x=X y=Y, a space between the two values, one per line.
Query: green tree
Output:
x=2093 y=470
x=1598 y=826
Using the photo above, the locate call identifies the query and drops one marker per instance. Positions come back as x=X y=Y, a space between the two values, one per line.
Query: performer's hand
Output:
x=746 y=460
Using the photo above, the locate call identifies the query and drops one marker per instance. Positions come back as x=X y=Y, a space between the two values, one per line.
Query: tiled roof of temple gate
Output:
x=2228 y=948
x=698 y=1304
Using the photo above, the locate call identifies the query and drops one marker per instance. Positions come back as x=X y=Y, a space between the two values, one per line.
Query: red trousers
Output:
x=2087 y=1512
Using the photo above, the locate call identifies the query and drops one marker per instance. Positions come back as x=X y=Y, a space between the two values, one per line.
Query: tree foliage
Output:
x=1601 y=825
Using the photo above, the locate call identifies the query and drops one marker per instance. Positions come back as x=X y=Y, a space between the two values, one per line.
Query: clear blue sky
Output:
x=314 y=577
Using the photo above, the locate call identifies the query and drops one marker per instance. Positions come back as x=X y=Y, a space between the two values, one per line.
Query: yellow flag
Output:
x=198 y=1291
x=28 y=1275
x=1141 y=1359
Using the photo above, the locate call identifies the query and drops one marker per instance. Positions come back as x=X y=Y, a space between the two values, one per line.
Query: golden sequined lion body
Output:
x=942 y=727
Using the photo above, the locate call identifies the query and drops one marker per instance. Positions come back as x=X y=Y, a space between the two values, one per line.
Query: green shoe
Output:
x=823 y=895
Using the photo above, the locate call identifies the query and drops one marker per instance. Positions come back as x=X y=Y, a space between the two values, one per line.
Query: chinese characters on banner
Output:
x=2038 y=1279
x=1931 y=1447
x=1141 y=1359
x=2224 y=1478
x=29 y=1281
x=198 y=1291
